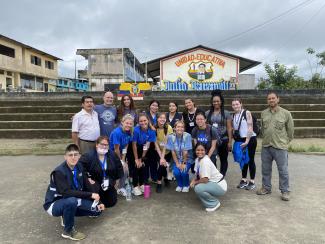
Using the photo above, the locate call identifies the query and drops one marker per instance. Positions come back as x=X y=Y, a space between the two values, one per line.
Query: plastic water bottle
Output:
x=147 y=191
x=128 y=191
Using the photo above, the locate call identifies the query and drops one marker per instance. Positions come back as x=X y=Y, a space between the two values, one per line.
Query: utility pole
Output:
x=135 y=77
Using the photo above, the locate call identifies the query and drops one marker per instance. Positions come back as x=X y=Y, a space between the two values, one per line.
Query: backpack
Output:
x=256 y=125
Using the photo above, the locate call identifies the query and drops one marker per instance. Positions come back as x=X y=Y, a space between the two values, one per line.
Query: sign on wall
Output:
x=199 y=70
x=134 y=89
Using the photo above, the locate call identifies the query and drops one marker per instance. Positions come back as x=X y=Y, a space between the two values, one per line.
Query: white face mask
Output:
x=102 y=151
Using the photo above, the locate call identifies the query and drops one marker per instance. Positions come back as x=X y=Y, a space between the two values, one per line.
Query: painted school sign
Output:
x=199 y=70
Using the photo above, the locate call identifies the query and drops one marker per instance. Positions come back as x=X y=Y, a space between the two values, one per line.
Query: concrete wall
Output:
x=246 y=81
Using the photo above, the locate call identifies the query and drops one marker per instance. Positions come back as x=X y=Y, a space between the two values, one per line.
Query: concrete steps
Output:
x=49 y=115
x=35 y=133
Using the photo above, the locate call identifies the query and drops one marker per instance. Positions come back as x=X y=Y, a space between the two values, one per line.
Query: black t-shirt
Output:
x=189 y=120
x=176 y=117
x=206 y=136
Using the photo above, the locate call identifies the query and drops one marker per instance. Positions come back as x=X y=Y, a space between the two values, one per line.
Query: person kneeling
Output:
x=209 y=182
x=103 y=168
x=69 y=194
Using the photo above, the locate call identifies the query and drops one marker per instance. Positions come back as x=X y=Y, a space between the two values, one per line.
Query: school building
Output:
x=25 y=68
x=200 y=69
x=109 y=67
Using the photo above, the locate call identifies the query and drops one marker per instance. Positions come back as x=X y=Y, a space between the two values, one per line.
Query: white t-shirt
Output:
x=243 y=130
x=206 y=168
x=87 y=125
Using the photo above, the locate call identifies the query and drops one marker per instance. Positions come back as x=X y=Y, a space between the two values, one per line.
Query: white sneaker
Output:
x=186 y=189
x=178 y=189
x=136 y=191
x=142 y=188
x=121 y=192
x=213 y=209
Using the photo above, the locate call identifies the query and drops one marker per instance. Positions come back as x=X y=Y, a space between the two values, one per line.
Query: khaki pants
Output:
x=86 y=146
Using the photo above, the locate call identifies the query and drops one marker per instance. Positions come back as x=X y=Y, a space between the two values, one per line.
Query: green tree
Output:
x=316 y=63
x=281 y=77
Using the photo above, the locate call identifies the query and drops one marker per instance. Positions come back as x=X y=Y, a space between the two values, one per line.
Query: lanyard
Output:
x=75 y=179
x=144 y=139
x=103 y=165
x=179 y=144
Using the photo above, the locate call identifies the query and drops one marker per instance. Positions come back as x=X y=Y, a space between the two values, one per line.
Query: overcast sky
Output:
x=154 y=28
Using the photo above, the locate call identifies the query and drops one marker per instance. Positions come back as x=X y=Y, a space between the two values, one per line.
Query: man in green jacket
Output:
x=277 y=131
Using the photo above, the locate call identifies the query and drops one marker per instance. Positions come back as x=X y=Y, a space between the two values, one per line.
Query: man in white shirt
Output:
x=85 y=126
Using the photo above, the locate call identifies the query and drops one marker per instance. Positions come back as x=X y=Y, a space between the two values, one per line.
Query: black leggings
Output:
x=223 y=155
x=137 y=174
x=162 y=170
x=108 y=197
x=151 y=162
x=251 y=164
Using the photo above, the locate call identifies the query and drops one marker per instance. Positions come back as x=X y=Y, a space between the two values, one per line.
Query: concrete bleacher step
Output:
x=35 y=133
x=66 y=124
x=49 y=115
x=35 y=116
x=300 y=132
x=56 y=124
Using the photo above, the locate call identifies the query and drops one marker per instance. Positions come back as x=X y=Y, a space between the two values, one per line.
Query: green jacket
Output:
x=276 y=128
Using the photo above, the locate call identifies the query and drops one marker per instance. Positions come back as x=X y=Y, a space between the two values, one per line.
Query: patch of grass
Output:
x=306 y=149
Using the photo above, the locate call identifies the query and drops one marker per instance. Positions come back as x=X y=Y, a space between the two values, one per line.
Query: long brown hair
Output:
x=121 y=108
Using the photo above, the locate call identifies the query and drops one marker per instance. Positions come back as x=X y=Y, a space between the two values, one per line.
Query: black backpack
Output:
x=256 y=125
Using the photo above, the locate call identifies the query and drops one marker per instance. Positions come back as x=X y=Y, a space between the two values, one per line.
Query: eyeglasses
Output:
x=103 y=144
x=73 y=155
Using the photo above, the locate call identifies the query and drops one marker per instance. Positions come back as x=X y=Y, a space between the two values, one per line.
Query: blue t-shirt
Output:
x=179 y=145
x=107 y=117
x=119 y=137
x=142 y=137
x=153 y=120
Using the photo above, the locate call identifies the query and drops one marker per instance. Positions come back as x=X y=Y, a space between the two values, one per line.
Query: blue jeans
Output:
x=182 y=177
x=68 y=208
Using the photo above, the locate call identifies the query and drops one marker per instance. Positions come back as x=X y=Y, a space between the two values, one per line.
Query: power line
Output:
x=253 y=28
x=287 y=12
x=285 y=44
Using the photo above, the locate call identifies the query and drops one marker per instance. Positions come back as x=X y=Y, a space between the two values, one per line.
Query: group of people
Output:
x=117 y=146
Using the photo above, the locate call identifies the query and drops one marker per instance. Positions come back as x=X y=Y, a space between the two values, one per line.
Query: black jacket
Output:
x=93 y=168
x=62 y=185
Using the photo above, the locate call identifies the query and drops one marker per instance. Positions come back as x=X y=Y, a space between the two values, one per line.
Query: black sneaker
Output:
x=242 y=184
x=159 y=188
x=167 y=183
x=250 y=186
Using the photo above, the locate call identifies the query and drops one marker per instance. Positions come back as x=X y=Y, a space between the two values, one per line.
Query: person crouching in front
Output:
x=209 y=183
x=69 y=194
x=103 y=168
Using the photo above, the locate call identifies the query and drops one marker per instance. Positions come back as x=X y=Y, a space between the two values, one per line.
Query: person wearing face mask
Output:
x=107 y=114
x=207 y=135
x=152 y=113
x=70 y=194
x=104 y=168
x=143 y=145
x=173 y=115
x=119 y=143
x=209 y=183
x=180 y=143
